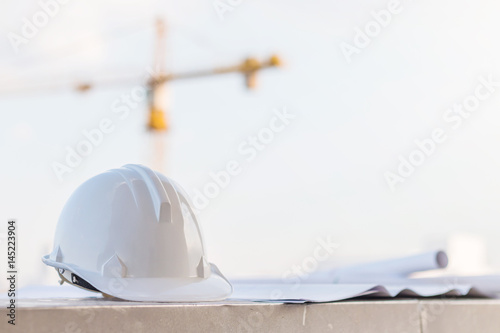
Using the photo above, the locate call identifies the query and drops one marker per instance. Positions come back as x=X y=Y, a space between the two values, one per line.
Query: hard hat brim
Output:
x=192 y=289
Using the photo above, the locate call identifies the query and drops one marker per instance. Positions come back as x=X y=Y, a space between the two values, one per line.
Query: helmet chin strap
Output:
x=67 y=276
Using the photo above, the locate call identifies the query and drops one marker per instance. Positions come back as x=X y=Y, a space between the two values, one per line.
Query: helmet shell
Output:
x=132 y=233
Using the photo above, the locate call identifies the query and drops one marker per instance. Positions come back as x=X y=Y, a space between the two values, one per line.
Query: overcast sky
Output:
x=323 y=175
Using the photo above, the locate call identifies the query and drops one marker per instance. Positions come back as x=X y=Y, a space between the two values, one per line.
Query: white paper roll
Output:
x=390 y=269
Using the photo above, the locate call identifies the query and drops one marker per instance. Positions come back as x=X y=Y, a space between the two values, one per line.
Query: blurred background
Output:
x=323 y=176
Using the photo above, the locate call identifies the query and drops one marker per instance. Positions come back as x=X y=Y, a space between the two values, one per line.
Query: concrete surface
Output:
x=386 y=316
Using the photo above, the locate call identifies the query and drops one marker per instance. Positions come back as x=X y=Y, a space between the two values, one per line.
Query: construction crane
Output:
x=158 y=88
x=157 y=84
x=249 y=68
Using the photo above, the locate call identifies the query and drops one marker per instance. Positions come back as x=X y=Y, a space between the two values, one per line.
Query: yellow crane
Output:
x=158 y=88
x=157 y=84
x=249 y=68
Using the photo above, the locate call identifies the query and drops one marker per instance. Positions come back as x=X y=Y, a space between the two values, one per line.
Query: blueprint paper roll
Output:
x=392 y=268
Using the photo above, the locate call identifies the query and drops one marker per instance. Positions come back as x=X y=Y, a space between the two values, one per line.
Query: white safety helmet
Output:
x=131 y=233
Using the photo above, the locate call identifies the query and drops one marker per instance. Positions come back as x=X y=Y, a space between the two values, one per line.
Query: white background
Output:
x=322 y=176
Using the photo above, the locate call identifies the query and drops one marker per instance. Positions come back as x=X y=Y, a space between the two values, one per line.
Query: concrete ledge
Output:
x=460 y=316
x=401 y=316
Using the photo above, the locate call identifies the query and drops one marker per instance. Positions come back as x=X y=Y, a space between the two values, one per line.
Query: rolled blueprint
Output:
x=390 y=269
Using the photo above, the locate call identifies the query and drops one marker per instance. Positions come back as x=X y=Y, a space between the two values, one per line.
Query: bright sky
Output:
x=323 y=175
